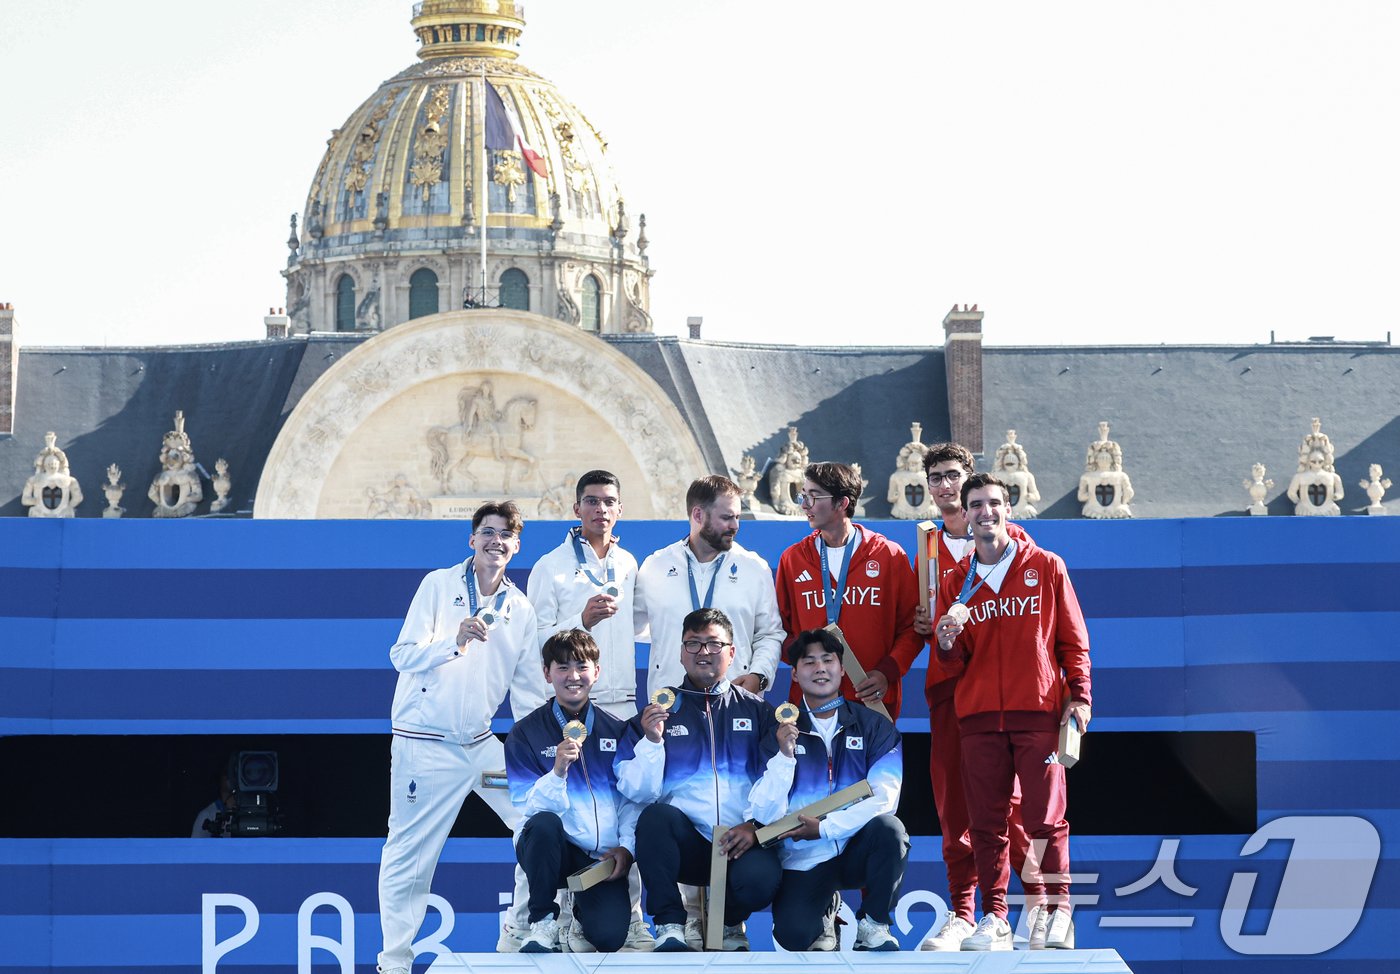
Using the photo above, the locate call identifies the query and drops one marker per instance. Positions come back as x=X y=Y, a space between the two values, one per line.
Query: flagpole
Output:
x=485 y=185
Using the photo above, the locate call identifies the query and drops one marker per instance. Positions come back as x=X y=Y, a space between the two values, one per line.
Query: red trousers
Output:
x=992 y=764
x=945 y=768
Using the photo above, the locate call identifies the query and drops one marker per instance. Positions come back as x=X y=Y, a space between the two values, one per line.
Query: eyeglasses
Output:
x=490 y=534
x=805 y=499
x=950 y=477
x=694 y=646
x=607 y=502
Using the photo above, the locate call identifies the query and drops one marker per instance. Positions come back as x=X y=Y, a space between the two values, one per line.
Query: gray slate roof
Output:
x=1191 y=419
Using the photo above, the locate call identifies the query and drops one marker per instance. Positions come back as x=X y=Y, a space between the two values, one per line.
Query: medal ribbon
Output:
x=470 y=577
x=563 y=719
x=969 y=589
x=694 y=592
x=835 y=591
x=829 y=705
x=576 y=534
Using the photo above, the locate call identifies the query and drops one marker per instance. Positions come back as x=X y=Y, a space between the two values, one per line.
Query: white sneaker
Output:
x=735 y=938
x=874 y=935
x=1037 y=924
x=827 y=940
x=949 y=936
x=671 y=937
x=1059 y=932
x=695 y=933
x=991 y=933
x=573 y=940
x=543 y=938
x=509 y=941
x=639 y=939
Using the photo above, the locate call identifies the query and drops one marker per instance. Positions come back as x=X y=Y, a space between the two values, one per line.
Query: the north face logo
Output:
x=677 y=731
x=550 y=751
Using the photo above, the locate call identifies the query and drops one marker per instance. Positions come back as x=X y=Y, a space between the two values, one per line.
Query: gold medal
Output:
x=575 y=730
x=786 y=713
x=666 y=697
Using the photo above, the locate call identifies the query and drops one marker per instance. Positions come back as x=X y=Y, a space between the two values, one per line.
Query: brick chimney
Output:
x=9 y=366
x=962 y=362
x=694 y=323
x=277 y=323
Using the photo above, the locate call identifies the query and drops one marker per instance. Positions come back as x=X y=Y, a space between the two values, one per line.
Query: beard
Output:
x=715 y=539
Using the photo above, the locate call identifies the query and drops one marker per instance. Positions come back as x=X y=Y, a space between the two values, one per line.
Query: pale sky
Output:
x=812 y=172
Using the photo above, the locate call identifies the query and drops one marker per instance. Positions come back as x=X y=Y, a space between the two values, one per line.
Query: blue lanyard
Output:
x=575 y=533
x=559 y=716
x=836 y=591
x=829 y=705
x=969 y=589
x=470 y=577
x=694 y=592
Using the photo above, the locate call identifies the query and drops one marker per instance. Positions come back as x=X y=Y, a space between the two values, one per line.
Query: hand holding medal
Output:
x=786 y=714
x=663 y=701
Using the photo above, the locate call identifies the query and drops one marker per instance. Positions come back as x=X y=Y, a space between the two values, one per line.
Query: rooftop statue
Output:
x=1012 y=468
x=908 y=492
x=1105 y=489
x=52 y=491
x=176 y=490
x=786 y=477
x=1258 y=488
x=1316 y=487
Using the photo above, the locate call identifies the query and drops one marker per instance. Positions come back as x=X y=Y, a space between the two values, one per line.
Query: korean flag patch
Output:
x=607 y=744
x=743 y=723
x=855 y=744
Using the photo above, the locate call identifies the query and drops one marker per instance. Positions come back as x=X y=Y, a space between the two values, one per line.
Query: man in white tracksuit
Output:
x=586 y=583
x=468 y=639
x=709 y=569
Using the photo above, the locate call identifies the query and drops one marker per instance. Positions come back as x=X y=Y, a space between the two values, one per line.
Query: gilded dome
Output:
x=408 y=172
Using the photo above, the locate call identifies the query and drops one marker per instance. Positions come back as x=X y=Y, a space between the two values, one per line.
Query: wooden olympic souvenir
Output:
x=576 y=730
x=854 y=671
x=786 y=713
x=819 y=809
x=719 y=879
x=666 y=697
x=590 y=876
x=1070 y=738
x=927 y=561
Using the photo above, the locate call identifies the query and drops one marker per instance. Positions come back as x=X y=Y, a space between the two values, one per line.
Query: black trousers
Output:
x=671 y=851
x=548 y=857
x=873 y=860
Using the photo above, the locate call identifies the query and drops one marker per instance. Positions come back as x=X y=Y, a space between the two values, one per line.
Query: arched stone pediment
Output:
x=466 y=406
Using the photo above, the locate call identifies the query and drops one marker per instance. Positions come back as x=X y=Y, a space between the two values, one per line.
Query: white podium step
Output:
x=1096 y=961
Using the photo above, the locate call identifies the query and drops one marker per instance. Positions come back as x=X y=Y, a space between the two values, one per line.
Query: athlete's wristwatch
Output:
x=762 y=682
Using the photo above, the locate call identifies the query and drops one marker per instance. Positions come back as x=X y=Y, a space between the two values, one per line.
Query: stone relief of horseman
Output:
x=484 y=432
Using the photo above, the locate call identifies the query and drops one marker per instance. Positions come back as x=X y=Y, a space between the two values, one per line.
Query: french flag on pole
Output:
x=503 y=131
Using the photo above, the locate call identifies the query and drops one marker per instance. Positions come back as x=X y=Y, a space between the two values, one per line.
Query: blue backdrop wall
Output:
x=1283 y=627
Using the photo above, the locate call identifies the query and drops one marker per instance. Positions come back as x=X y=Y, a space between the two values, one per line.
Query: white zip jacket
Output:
x=450 y=694
x=744 y=592
x=558 y=591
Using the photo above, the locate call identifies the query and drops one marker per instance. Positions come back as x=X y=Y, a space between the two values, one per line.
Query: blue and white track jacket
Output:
x=711 y=753
x=865 y=745
x=596 y=818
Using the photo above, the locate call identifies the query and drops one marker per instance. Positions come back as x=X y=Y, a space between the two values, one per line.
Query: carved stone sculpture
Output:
x=52 y=491
x=785 y=479
x=1258 y=488
x=1375 y=488
x=556 y=503
x=398 y=500
x=222 y=485
x=114 y=489
x=483 y=431
x=176 y=490
x=1013 y=468
x=860 y=501
x=908 y=491
x=1316 y=487
x=1105 y=489
x=748 y=479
